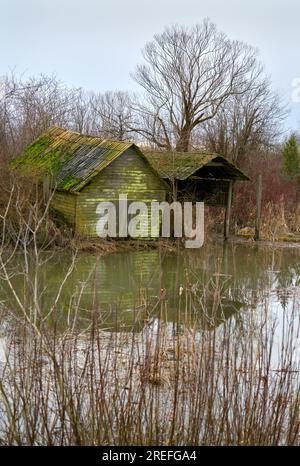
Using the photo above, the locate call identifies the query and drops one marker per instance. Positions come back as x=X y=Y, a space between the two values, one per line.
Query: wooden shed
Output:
x=85 y=170
x=195 y=176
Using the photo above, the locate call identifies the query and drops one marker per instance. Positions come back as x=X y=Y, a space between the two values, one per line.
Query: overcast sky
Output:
x=97 y=43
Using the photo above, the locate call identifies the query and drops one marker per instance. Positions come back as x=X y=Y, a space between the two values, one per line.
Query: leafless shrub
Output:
x=186 y=383
x=245 y=124
x=29 y=106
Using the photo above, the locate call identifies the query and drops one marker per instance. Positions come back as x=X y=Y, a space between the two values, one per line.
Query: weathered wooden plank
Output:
x=65 y=204
x=131 y=175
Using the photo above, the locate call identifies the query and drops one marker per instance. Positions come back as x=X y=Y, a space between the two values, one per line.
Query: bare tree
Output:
x=30 y=106
x=245 y=123
x=82 y=118
x=112 y=114
x=11 y=90
x=188 y=76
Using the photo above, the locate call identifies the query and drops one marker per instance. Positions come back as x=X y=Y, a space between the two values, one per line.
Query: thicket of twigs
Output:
x=191 y=382
x=167 y=385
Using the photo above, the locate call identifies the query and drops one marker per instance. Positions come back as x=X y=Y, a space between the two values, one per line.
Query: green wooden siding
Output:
x=65 y=203
x=130 y=174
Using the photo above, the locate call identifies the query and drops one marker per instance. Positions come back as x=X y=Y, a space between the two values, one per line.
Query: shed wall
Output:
x=130 y=174
x=65 y=204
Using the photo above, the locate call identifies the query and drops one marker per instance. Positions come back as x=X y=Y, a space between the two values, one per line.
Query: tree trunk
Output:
x=183 y=142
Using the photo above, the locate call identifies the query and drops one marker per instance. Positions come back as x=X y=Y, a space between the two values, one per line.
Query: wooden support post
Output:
x=258 y=207
x=225 y=258
x=228 y=211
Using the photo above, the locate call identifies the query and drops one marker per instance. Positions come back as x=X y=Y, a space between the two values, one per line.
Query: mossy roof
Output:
x=182 y=165
x=72 y=158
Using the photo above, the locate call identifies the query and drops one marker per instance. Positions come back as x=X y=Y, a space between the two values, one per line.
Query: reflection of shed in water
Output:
x=205 y=311
x=117 y=287
x=125 y=291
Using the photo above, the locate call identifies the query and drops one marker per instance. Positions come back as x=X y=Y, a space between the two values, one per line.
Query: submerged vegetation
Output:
x=203 y=352
x=152 y=388
x=203 y=378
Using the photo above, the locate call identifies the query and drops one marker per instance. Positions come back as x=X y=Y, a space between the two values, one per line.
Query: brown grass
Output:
x=170 y=384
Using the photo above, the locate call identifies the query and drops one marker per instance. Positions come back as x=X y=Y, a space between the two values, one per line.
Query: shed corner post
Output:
x=228 y=211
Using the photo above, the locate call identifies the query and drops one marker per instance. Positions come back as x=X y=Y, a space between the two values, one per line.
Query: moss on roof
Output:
x=181 y=165
x=72 y=158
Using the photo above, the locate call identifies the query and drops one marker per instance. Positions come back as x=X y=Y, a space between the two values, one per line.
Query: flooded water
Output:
x=126 y=290
x=190 y=347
